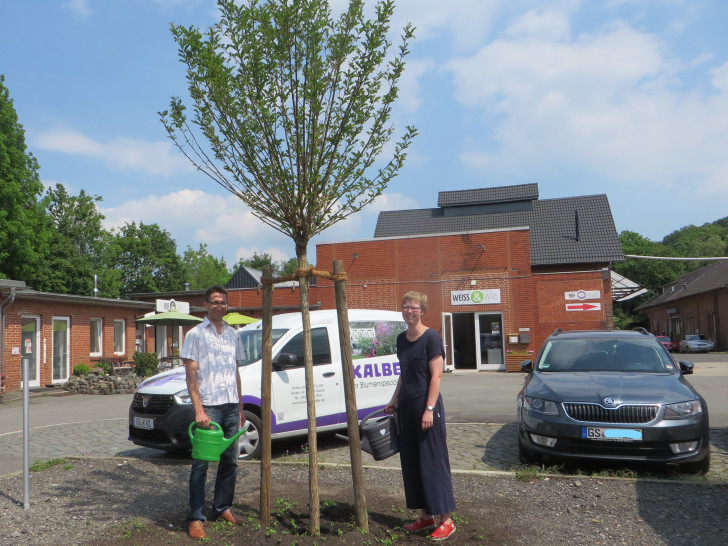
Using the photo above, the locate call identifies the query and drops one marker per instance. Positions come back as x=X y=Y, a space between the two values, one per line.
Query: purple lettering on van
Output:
x=383 y=369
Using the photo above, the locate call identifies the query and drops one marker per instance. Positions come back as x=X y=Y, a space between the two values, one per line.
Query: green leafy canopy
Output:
x=295 y=107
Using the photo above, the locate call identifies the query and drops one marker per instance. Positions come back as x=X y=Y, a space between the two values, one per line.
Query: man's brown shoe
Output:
x=196 y=531
x=228 y=516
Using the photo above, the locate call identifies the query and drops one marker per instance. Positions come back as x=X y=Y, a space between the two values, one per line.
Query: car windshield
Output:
x=663 y=338
x=604 y=354
x=695 y=337
x=253 y=344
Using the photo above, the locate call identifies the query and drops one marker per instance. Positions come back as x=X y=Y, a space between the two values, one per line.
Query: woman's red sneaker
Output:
x=419 y=523
x=445 y=530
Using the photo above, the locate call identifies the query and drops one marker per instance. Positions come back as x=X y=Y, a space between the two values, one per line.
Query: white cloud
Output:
x=611 y=102
x=126 y=154
x=410 y=91
x=78 y=7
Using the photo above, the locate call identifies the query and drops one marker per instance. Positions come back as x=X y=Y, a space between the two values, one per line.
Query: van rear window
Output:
x=375 y=338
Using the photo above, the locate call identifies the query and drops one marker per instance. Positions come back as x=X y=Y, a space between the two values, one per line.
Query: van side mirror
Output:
x=285 y=361
x=527 y=366
x=686 y=367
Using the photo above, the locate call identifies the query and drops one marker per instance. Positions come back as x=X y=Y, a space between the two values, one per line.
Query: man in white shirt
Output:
x=210 y=353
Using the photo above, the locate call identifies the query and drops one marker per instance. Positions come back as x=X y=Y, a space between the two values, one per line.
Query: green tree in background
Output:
x=203 y=269
x=295 y=107
x=77 y=241
x=146 y=257
x=257 y=261
x=649 y=273
x=710 y=239
x=24 y=230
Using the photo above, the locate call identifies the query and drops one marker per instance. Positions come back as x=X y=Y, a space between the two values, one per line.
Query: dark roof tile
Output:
x=562 y=231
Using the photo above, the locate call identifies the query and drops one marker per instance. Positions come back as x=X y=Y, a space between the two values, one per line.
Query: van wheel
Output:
x=250 y=447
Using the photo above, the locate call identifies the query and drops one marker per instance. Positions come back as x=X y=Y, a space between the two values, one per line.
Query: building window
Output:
x=96 y=329
x=119 y=337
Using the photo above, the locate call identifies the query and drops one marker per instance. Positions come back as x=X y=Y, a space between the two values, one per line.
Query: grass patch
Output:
x=39 y=466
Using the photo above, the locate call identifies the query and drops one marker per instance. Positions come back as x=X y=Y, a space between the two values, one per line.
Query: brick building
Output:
x=55 y=332
x=501 y=267
x=502 y=270
x=696 y=303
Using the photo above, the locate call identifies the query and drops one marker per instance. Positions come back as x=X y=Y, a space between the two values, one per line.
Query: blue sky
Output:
x=627 y=98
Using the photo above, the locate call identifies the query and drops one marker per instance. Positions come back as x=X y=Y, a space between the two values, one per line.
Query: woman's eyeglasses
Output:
x=410 y=308
x=217 y=303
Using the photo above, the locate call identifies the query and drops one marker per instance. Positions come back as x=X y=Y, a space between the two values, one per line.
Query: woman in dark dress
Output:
x=421 y=414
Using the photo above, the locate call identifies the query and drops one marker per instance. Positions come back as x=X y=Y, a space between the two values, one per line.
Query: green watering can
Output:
x=209 y=444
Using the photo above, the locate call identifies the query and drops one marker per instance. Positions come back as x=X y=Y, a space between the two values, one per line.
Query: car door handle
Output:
x=329 y=374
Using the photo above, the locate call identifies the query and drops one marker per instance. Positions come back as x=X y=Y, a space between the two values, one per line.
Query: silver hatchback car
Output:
x=611 y=395
x=695 y=343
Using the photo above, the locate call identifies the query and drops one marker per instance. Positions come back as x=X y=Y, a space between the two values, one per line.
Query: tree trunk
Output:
x=313 y=481
x=352 y=418
x=265 y=405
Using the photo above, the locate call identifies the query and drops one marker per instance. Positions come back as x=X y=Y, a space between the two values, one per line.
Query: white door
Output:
x=289 y=385
x=447 y=340
x=489 y=341
x=30 y=349
x=61 y=343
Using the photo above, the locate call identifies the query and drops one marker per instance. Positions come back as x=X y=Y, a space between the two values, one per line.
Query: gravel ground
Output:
x=136 y=501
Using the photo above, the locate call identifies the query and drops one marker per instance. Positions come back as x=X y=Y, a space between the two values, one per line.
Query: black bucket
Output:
x=379 y=436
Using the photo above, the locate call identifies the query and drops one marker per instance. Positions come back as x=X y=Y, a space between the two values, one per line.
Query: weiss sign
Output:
x=475 y=297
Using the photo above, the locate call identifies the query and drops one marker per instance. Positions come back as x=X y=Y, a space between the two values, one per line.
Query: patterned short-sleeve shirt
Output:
x=217 y=358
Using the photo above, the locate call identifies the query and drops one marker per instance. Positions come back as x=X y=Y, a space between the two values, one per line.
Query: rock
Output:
x=102 y=384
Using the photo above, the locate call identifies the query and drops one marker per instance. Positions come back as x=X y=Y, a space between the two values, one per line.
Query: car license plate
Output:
x=144 y=422
x=613 y=434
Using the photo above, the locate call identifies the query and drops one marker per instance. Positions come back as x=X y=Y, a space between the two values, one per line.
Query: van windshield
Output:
x=253 y=344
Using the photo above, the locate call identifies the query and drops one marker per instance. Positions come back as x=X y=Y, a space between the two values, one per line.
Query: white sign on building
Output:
x=475 y=297
x=170 y=305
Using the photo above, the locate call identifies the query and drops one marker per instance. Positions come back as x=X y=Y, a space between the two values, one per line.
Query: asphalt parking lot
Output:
x=480 y=413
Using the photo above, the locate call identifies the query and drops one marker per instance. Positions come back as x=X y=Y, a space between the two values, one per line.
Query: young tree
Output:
x=295 y=106
x=24 y=231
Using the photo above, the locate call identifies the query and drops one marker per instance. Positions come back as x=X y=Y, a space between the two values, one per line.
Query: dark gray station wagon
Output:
x=611 y=395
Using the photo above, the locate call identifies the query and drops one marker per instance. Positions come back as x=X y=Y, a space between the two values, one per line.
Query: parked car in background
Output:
x=668 y=343
x=696 y=343
x=612 y=396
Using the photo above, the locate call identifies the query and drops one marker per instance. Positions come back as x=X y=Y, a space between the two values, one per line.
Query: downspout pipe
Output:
x=7 y=302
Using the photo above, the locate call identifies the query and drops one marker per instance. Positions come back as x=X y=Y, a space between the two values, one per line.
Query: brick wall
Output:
x=78 y=316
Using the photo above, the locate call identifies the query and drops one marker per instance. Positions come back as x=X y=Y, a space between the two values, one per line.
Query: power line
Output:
x=676 y=259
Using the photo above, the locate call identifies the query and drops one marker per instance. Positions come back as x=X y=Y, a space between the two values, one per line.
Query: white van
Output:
x=161 y=411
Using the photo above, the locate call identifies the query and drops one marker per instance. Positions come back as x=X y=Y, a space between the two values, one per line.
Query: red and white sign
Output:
x=584 y=306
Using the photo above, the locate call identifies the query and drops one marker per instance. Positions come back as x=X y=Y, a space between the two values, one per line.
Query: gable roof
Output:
x=247 y=277
x=562 y=231
x=705 y=279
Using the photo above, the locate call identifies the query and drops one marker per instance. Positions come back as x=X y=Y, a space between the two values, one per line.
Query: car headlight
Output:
x=183 y=397
x=683 y=410
x=539 y=405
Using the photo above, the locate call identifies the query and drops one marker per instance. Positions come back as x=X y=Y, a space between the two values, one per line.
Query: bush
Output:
x=81 y=369
x=107 y=368
x=145 y=364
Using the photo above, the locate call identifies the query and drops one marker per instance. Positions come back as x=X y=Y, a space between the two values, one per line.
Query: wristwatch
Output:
x=430 y=408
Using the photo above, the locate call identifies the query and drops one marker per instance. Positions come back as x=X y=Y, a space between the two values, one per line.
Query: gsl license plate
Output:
x=143 y=422
x=613 y=434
